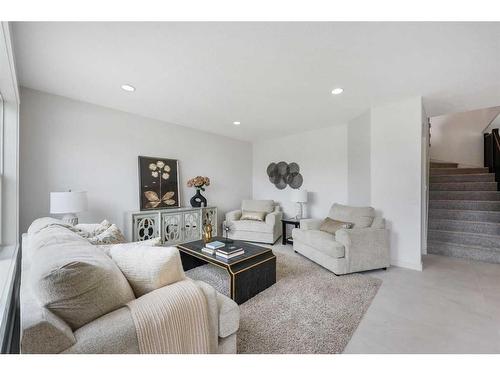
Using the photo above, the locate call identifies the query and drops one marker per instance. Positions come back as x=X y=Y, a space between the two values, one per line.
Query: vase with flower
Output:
x=199 y=183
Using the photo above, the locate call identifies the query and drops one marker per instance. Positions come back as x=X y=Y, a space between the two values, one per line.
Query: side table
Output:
x=284 y=223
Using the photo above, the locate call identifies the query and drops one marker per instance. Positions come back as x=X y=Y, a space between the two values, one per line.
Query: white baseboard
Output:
x=409 y=265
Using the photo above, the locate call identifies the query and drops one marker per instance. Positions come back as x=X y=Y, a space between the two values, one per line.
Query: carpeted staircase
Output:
x=464 y=213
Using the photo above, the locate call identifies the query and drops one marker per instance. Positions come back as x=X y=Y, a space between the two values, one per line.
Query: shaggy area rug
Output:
x=308 y=310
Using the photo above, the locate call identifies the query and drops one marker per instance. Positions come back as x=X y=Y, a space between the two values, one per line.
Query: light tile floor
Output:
x=452 y=306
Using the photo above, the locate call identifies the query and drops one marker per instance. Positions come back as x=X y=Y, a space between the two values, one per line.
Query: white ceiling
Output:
x=275 y=78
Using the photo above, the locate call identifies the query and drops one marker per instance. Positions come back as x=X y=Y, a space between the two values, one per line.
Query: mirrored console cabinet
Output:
x=174 y=226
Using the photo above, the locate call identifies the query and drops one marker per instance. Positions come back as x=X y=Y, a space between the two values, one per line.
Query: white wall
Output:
x=322 y=157
x=458 y=137
x=358 y=160
x=396 y=162
x=70 y=144
x=425 y=178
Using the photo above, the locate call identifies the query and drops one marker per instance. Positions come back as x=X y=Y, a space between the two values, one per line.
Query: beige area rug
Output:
x=308 y=310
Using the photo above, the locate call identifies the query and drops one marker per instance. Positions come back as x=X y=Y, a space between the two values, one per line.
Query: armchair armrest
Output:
x=310 y=224
x=365 y=248
x=233 y=215
x=274 y=217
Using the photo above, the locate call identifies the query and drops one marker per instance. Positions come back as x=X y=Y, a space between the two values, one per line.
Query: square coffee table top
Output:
x=251 y=251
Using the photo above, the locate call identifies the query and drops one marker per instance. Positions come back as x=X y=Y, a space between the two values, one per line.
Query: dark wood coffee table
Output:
x=249 y=274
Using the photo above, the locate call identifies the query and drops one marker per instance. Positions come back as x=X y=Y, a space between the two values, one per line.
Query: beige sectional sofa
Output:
x=102 y=323
x=364 y=247
x=267 y=231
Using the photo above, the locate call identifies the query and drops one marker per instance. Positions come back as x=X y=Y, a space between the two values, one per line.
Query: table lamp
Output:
x=68 y=203
x=299 y=196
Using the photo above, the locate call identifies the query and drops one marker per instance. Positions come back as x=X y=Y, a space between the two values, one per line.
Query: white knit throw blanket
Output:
x=173 y=319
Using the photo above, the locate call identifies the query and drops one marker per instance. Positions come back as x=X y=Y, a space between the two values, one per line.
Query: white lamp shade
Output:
x=68 y=202
x=299 y=196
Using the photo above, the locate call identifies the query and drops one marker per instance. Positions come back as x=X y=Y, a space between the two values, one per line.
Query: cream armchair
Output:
x=267 y=231
x=364 y=247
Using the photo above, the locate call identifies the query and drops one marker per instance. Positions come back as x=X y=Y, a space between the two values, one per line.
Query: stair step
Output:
x=483 y=254
x=464 y=186
x=465 y=226
x=464 y=215
x=448 y=171
x=465 y=205
x=480 y=177
x=438 y=164
x=465 y=239
x=465 y=195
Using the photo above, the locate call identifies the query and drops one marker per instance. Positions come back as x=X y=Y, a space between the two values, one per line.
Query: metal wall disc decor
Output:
x=272 y=170
x=282 y=174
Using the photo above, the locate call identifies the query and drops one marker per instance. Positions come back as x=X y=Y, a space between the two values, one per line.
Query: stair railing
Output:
x=492 y=152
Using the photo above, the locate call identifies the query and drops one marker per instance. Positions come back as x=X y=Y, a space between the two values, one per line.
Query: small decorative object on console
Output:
x=207 y=232
x=199 y=183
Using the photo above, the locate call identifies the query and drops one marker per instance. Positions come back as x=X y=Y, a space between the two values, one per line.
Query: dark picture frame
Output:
x=158 y=183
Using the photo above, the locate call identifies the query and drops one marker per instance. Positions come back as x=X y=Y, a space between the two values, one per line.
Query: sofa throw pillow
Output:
x=360 y=217
x=257 y=205
x=78 y=282
x=93 y=229
x=111 y=235
x=331 y=226
x=148 y=267
x=151 y=242
x=253 y=215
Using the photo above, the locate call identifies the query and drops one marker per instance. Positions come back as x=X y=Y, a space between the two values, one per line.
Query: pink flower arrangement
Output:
x=199 y=182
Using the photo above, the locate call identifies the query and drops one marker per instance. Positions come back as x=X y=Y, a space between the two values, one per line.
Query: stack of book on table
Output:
x=220 y=249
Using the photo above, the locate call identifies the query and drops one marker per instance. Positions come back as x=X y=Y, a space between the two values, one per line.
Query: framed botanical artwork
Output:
x=158 y=183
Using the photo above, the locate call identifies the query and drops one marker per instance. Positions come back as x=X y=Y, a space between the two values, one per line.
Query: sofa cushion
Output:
x=78 y=282
x=266 y=206
x=44 y=222
x=148 y=267
x=251 y=226
x=111 y=235
x=151 y=242
x=331 y=226
x=321 y=241
x=361 y=217
x=253 y=215
x=93 y=229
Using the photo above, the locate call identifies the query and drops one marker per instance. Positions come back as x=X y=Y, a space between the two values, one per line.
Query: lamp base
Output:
x=299 y=211
x=70 y=219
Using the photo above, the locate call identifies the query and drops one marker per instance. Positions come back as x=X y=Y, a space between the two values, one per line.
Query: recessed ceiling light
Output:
x=236 y=123
x=337 y=91
x=128 y=88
